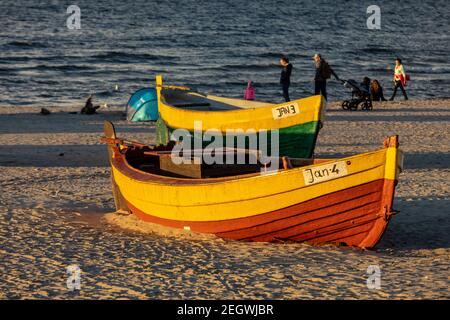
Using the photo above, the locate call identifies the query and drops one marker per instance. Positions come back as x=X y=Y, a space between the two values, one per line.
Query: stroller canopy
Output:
x=143 y=106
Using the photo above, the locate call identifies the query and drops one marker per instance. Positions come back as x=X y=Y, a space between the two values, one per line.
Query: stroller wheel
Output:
x=366 y=105
x=345 y=104
x=353 y=105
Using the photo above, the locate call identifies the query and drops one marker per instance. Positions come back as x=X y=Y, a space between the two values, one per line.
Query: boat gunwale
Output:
x=264 y=104
x=207 y=181
x=240 y=111
x=208 y=204
x=210 y=118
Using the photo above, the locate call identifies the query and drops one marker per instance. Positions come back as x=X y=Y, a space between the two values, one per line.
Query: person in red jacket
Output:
x=399 y=79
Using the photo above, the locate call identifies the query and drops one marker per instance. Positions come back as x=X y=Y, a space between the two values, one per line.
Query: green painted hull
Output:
x=297 y=141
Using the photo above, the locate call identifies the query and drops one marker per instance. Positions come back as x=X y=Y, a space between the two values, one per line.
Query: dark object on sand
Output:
x=45 y=112
x=72 y=112
x=360 y=96
x=89 y=108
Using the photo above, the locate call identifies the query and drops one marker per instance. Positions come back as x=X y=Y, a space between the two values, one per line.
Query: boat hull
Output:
x=297 y=123
x=351 y=217
x=349 y=200
x=297 y=141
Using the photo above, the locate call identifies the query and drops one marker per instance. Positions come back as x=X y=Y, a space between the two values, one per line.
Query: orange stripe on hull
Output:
x=355 y=216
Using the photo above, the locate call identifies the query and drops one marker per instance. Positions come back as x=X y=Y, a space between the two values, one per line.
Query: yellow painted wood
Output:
x=159 y=83
x=258 y=116
x=245 y=104
x=394 y=163
x=244 y=197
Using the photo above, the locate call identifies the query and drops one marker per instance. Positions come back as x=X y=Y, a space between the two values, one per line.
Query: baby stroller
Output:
x=360 y=96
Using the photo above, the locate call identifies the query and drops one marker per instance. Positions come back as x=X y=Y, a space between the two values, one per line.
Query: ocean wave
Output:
x=244 y=66
x=25 y=44
x=131 y=57
x=377 y=50
x=7 y=70
x=9 y=60
x=65 y=67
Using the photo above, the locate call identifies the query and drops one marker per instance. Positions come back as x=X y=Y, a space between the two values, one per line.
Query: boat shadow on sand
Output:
x=48 y=156
x=62 y=122
x=421 y=223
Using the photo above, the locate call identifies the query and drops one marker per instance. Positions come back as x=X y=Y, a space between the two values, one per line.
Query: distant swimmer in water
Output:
x=89 y=108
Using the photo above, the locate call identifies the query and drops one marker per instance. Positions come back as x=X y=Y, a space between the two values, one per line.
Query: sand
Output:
x=56 y=204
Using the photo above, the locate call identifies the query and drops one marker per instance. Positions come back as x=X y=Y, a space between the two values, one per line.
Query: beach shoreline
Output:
x=56 y=205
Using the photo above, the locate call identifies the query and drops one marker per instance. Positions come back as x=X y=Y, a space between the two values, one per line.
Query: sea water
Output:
x=214 y=47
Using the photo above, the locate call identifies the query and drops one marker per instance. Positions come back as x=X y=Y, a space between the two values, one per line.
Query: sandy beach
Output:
x=56 y=210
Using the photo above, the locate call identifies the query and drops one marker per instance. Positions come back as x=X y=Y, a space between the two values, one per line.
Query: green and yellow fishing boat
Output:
x=297 y=123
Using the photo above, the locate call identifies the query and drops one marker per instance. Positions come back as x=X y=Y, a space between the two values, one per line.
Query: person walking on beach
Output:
x=323 y=73
x=399 y=79
x=285 y=78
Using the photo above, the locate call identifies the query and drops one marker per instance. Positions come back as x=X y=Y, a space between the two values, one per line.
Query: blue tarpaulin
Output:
x=143 y=106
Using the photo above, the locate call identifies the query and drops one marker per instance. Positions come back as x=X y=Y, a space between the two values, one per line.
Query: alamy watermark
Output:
x=226 y=148
x=73 y=22
x=374 y=20
x=74 y=279
x=374 y=279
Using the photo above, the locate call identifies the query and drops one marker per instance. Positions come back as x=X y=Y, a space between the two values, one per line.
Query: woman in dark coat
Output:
x=285 y=77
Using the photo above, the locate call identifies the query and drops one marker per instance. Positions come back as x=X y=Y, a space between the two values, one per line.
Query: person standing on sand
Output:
x=285 y=78
x=399 y=79
x=366 y=84
x=323 y=73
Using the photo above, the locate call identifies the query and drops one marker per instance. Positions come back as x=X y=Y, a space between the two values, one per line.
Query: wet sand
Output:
x=56 y=204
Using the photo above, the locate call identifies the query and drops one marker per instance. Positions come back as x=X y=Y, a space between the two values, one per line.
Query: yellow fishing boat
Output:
x=347 y=200
x=298 y=122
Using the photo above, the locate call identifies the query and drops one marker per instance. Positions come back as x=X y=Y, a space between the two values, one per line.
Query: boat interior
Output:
x=192 y=100
x=161 y=161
